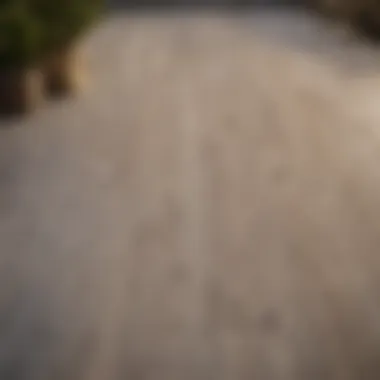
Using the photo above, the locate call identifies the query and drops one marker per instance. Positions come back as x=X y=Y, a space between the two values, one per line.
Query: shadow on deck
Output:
x=227 y=5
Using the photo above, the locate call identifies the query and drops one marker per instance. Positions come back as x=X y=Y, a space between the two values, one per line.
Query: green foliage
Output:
x=20 y=34
x=30 y=29
x=64 y=20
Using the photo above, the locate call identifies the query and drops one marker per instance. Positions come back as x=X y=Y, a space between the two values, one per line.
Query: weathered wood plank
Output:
x=210 y=210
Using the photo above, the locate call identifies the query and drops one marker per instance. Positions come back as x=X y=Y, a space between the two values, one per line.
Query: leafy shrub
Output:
x=20 y=35
x=64 y=20
x=30 y=29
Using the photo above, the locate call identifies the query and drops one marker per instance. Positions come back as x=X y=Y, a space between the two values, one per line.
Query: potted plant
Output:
x=20 y=50
x=64 y=22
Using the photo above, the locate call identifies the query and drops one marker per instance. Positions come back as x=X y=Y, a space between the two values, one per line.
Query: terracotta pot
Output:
x=21 y=90
x=64 y=72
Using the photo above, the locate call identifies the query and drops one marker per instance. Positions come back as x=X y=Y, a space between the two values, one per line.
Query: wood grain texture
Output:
x=209 y=209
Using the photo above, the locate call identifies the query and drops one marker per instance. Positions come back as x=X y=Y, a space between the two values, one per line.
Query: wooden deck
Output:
x=209 y=209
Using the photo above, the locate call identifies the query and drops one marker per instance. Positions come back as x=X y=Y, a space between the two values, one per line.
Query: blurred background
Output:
x=189 y=194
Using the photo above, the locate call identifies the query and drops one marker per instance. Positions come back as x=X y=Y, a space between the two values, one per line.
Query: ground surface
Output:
x=209 y=209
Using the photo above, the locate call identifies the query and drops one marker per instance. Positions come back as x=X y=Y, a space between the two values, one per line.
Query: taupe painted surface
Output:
x=209 y=209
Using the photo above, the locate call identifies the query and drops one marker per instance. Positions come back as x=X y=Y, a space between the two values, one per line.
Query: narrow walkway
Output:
x=209 y=209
